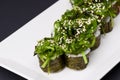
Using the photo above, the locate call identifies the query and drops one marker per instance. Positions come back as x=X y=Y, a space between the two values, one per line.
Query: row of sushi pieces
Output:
x=76 y=34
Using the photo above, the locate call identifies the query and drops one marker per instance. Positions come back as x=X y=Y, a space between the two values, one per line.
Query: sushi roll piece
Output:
x=77 y=62
x=107 y=25
x=49 y=55
x=115 y=7
x=118 y=3
x=54 y=65
x=97 y=39
x=76 y=37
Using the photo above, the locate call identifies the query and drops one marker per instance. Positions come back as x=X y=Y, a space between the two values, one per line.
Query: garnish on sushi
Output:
x=50 y=55
x=100 y=9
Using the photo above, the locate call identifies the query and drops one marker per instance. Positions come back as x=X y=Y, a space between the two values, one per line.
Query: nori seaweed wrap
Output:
x=118 y=3
x=76 y=62
x=107 y=25
x=54 y=65
x=115 y=7
x=49 y=55
x=97 y=39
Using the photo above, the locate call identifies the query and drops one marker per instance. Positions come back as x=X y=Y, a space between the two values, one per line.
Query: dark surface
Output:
x=7 y=75
x=114 y=74
x=16 y=13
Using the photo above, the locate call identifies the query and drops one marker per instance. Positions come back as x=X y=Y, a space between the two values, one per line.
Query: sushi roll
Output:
x=107 y=25
x=77 y=62
x=115 y=7
x=118 y=3
x=75 y=37
x=54 y=65
x=76 y=34
x=97 y=39
x=49 y=55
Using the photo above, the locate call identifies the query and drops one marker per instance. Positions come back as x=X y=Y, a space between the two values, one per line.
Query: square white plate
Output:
x=16 y=51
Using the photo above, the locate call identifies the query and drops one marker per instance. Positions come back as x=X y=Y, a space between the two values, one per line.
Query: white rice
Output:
x=97 y=33
x=79 y=55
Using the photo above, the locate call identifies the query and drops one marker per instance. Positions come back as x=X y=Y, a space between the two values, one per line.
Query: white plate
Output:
x=16 y=51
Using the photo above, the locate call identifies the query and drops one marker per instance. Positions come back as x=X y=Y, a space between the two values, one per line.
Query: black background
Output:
x=14 y=14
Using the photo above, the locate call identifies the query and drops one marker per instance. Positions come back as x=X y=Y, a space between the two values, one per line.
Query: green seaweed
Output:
x=47 y=50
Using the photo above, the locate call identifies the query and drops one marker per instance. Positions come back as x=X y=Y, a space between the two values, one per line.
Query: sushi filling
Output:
x=79 y=55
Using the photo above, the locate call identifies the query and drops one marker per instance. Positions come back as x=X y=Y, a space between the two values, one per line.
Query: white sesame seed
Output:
x=84 y=29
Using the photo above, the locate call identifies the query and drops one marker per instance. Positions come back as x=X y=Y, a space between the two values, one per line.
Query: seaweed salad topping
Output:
x=75 y=34
x=47 y=50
